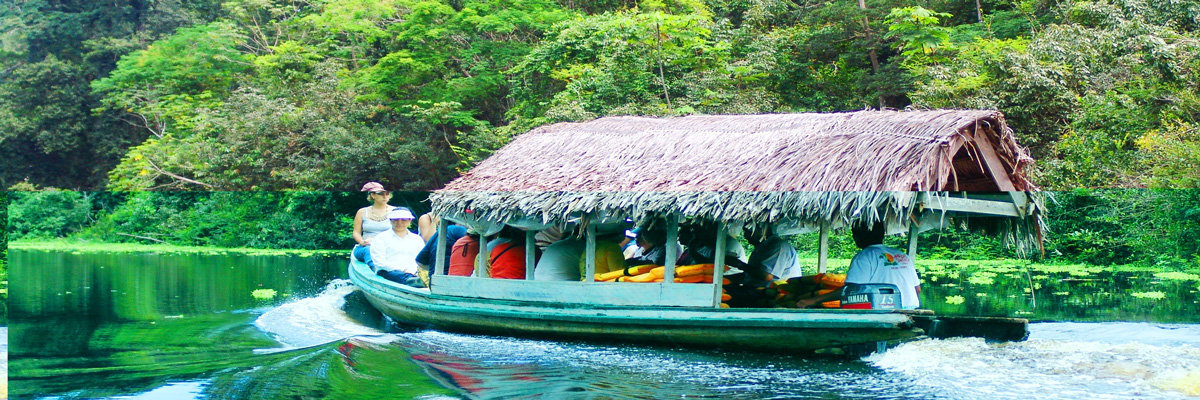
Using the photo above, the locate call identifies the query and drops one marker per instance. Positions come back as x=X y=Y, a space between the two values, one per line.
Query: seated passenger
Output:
x=877 y=263
x=507 y=257
x=629 y=244
x=394 y=252
x=371 y=220
x=464 y=254
x=608 y=250
x=428 y=255
x=701 y=242
x=653 y=251
x=560 y=261
x=427 y=226
x=773 y=255
x=552 y=234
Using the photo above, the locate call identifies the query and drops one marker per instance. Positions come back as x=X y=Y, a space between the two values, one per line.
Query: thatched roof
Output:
x=857 y=151
x=784 y=211
x=781 y=169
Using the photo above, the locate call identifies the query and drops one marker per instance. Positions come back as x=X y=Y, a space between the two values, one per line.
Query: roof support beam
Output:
x=973 y=206
x=530 y=255
x=823 y=248
x=992 y=161
x=589 y=274
x=1021 y=200
x=670 y=248
x=913 y=226
x=442 y=265
x=718 y=265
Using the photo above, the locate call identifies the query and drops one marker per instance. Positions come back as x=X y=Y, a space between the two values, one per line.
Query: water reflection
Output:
x=100 y=325
x=1059 y=292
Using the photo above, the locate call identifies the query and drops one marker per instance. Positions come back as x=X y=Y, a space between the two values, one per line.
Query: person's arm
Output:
x=812 y=301
x=358 y=237
x=427 y=225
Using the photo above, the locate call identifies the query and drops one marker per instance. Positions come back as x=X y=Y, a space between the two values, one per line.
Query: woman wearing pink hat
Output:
x=371 y=220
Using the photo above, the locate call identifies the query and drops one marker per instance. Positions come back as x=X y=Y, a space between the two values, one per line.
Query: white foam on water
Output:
x=1060 y=361
x=172 y=391
x=314 y=320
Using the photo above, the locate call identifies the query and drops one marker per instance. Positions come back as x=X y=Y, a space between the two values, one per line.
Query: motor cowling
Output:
x=871 y=296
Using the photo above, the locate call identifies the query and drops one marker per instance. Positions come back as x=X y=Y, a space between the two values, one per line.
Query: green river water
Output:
x=153 y=325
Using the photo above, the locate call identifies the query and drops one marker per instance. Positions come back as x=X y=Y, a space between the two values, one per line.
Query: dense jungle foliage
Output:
x=323 y=95
x=1152 y=228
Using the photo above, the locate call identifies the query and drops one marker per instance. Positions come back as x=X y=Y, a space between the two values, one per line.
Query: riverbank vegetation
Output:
x=1147 y=228
x=79 y=245
x=323 y=95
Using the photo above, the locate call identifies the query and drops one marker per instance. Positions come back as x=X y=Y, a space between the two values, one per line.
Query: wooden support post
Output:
x=441 y=264
x=671 y=249
x=913 y=227
x=719 y=265
x=589 y=274
x=823 y=248
x=530 y=255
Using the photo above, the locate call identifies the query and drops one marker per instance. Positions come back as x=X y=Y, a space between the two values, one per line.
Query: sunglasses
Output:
x=381 y=193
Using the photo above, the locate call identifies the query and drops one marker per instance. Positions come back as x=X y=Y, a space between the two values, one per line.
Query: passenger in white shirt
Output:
x=774 y=255
x=877 y=263
x=394 y=252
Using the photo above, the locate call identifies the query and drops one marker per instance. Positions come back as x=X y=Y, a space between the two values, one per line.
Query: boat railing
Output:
x=577 y=293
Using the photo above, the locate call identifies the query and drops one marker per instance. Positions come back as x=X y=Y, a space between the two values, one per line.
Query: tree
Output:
x=1083 y=92
x=318 y=138
x=158 y=87
x=59 y=47
x=47 y=214
x=636 y=62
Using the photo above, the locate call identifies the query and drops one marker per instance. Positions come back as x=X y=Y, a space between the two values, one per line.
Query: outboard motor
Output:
x=871 y=296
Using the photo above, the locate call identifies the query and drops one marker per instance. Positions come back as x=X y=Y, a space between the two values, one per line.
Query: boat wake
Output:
x=1059 y=361
x=314 y=320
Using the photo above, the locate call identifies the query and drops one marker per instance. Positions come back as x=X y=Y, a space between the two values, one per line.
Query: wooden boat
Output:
x=785 y=330
x=913 y=189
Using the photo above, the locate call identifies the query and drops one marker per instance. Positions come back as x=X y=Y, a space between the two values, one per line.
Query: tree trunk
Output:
x=862 y=4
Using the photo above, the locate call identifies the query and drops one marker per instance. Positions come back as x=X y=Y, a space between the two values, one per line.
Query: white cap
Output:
x=399 y=213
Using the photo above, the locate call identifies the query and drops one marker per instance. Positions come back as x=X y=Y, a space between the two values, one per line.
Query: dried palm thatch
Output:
x=774 y=169
x=857 y=151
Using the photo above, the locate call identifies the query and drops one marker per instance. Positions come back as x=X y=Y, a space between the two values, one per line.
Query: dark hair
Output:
x=656 y=236
x=511 y=233
x=867 y=234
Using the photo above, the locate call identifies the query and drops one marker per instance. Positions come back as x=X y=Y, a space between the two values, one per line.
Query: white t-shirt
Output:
x=777 y=257
x=882 y=264
x=560 y=261
x=394 y=253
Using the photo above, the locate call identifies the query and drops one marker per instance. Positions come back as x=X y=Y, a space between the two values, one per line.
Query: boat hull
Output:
x=771 y=330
